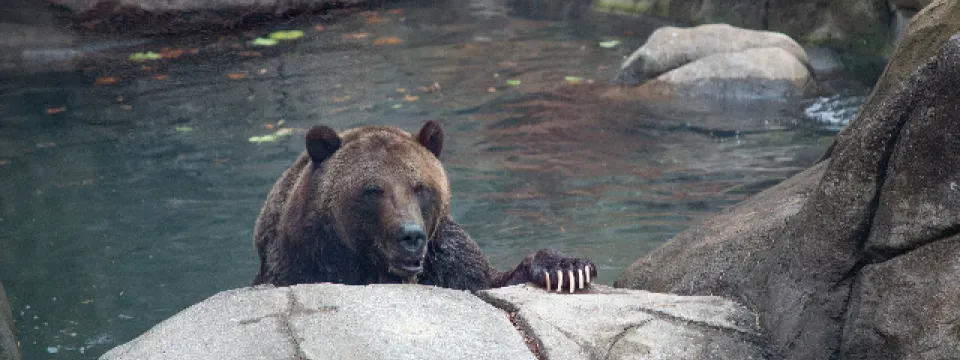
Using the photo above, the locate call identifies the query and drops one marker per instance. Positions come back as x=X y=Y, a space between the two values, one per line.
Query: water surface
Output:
x=126 y=202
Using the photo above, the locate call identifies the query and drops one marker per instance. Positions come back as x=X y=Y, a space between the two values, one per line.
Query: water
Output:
x=126 y=202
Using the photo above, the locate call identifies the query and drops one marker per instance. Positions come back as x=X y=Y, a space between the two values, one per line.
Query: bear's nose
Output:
x=412 y=237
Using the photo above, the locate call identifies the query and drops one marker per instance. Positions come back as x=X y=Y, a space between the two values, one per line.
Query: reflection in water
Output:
x=126 y=203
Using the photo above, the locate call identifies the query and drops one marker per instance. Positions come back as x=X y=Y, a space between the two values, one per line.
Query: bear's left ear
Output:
x=431 y=137
x=322 y=142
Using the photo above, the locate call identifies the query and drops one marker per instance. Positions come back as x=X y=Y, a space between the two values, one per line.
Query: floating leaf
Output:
x=263 y=139
x=251 y=53
x=184 y=128
x=55 y=110
x=319 y=27
x=409 y=97
x=126 y=107
x=340 y=99
x=171 y=53
x=513 y=82
x=401 y=90
x=356 y=36
x=263 y=42
x=397 y=106
x=144 y=56
x=376 y=19
x=160 y=77
x=268 y=126
x=286 y=34
x=491 y=89
x=236 y=76
x=609 y=44
x=106 y=81
x=271 y=137
x=573 y=79
x=388 y=41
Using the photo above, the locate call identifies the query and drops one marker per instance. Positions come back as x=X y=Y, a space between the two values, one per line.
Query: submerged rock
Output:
x=857 y=257
x=330 y=321
x=717 y=60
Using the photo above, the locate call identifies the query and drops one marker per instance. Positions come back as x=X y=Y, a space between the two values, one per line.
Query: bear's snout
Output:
x=412 y=238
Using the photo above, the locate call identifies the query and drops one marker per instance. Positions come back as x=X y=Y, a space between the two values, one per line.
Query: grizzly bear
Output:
x=372 y=205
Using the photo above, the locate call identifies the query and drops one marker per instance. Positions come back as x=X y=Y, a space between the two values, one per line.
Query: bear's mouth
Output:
x=407 y=267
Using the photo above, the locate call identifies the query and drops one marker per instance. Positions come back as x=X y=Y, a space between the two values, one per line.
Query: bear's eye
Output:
x=420 y=188
x=372 y=191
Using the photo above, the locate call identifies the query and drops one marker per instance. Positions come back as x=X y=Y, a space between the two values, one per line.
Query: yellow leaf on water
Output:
x=236 y=76
x=409 y=97
x=356 y=36
x=388 y=41
x=55 y=110
x=106 y=81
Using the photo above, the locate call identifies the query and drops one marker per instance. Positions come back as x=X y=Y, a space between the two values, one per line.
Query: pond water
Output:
x=131 y=189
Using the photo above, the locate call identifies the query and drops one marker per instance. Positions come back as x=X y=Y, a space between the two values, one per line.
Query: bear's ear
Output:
x=322 y=142
x=431 y=137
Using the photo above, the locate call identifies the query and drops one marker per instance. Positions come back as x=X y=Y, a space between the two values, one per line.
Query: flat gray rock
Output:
x=610 y=323
x=330 y=321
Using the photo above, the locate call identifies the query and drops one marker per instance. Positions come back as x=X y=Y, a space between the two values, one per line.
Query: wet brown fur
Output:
x=314 y=226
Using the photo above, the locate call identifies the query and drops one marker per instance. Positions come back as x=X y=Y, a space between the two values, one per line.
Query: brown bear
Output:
x=372 y=205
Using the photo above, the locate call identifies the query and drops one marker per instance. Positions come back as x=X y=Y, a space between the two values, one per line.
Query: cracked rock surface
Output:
x=613 y=323
x=857 y=257
x=331 y=321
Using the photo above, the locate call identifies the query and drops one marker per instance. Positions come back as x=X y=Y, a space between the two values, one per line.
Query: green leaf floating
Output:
x=513 y=82
x=271 y=137
x=609 y=44
x=263 y=139
x=184 y=128
x=286 y=35
x=573 y=79
x=263 y=42
x=144 y=56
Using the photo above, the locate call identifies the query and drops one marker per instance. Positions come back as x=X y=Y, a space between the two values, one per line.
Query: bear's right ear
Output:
x=431 y=137
x=322 y=142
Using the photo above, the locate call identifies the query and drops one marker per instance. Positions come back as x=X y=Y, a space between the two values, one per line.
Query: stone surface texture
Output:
x=856 y=257
x=625 y=324
x=8 y=330
x=330 y=321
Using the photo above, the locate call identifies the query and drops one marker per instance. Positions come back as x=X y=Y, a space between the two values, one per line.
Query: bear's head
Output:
x=384 y=192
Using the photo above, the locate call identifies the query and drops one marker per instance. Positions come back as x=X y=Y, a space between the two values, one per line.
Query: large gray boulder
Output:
x=9 y=349
x=330 y=321
x=717 y=60
x=857 y=257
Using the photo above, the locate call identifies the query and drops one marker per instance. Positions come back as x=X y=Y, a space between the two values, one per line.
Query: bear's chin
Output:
x=393 y=278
